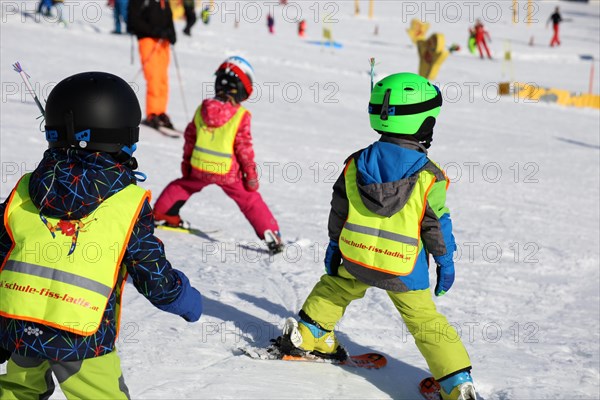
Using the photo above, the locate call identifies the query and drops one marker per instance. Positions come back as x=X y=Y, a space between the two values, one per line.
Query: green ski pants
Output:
x=435 y=338
x=93 y=378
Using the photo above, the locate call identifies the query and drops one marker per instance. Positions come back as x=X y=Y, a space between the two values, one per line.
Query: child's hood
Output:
x=70 y=184
x=387 y=173
x=216 y=113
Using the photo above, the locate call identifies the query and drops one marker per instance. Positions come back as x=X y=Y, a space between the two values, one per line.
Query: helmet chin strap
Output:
x=125 y=156
x=425 y=139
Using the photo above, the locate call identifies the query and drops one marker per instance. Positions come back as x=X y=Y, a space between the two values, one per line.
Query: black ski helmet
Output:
x=95 y=111
x=235 y=77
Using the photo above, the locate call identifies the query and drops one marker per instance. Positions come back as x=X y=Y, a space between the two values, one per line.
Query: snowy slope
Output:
x=524 y=199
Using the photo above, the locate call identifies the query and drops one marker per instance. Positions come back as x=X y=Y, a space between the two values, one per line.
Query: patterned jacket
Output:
x=73 y=182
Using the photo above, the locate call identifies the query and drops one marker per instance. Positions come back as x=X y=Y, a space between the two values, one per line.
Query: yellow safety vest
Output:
x=61 y=273
x=386 y=244
x=213 y=151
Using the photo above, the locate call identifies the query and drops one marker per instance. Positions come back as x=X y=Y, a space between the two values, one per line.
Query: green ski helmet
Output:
x=404 y=104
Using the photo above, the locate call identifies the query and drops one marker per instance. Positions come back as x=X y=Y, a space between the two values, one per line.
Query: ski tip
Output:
x=430 y=388
x=368 y=360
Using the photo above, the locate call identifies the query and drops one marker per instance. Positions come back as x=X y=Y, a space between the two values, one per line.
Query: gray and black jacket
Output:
x=386 y=175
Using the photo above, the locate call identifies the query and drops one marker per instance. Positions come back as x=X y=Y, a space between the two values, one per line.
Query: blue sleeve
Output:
x=436 y=226
x=152 y=274
x=448 y=237
x=446 y=228
x=188 y=304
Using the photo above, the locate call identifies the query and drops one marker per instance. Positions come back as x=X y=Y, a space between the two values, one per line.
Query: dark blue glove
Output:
x=445 y=273
x=333 y=258
x=188 y=304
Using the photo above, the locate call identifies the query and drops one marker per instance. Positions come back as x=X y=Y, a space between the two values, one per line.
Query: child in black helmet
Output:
x=59 y=308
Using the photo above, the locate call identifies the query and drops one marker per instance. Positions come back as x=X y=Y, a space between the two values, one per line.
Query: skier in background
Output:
x=120 y=14
x=480 y=35
x=152 y=22
x=271 y=24
x=218 y=150
x=82 y=194
x=556 y=19
x=302 y=28
x=189 y=8
x=59 y=5
x=388 y=214
x=44 y=7
x=205 y=15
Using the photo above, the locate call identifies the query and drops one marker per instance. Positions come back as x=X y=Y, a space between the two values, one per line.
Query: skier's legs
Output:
x=190 y=17
x=59 y=12
x=436 y=339
x=48 y=4
x=478 y=42
x=555 y=40
x=487 y=50
x=92 y=378
x=123 y=11
x=175 y=195
x=164 y=59
x=117 y=17
x=328 y=300
x=120 y=12
x=155 y=55
x=26 y=378
x=253 y=207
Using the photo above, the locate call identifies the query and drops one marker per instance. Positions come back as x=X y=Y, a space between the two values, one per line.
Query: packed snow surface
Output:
x=524 y=197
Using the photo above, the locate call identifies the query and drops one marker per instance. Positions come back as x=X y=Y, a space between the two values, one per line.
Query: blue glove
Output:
x=445 y=273
x=333 y=258
x=188 y=304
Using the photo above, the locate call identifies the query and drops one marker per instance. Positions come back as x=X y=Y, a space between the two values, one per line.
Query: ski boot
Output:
x=172 y=221
x=164 y=120
x=308 y=337
x=273 y=241
x=458 y=387
x=152 y=121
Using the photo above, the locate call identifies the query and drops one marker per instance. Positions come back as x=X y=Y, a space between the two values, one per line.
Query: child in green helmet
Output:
x=388 y=214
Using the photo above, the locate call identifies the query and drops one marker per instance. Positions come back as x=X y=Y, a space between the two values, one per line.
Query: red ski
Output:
x=430 y=389
x=367 y=360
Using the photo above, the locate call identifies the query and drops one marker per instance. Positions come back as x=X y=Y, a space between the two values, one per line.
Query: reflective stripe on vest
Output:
x=213 y=151
x=61 y=273
x=386 y=244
